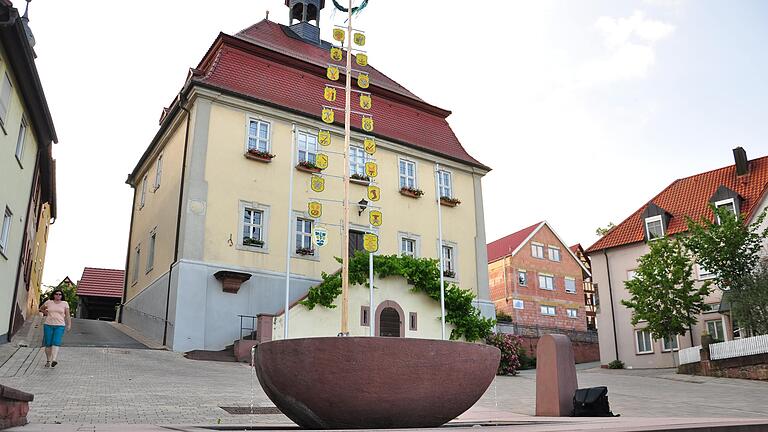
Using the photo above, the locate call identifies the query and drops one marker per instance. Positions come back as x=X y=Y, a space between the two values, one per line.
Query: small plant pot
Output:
x=411 y=193
x=449 y=202
x=308 y=169
x=260 y=157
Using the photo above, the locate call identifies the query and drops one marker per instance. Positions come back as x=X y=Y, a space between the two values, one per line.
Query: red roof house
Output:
x=99 y=292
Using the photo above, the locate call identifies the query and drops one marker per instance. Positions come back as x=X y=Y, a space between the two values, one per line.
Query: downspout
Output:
x=613 y=311
x=182 y=101
x=128 y=256
x=23 y=242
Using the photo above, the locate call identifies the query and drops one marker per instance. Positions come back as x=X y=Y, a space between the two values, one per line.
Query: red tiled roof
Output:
x=690 y=197
x=506 y=245
x=101 y=282
x=575 y=248
x=402 y=117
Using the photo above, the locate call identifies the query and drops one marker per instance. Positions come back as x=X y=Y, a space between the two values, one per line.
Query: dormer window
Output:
x=729 y=204
x=654 y=228
x=725 y=197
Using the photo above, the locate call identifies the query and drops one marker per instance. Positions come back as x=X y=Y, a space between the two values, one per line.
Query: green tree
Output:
x=663 y=292
x=601 y=231
x=730 y=250
x=70 y=295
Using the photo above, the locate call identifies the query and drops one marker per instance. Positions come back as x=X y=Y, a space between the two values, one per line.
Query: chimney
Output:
x=742 y=163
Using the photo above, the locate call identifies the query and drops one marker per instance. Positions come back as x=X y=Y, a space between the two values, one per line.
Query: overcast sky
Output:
x=584 y=109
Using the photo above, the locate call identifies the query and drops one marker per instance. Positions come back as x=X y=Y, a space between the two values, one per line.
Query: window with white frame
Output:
x=307 y=147
x=537 y=250
x=643 y=339
x=570 y=285
x=546 y=282
x=729 y=204
x=654 y=227
x=158 y=171
x=258 y=135
x=518 y=304
x=449 y=261
x=554 y=253
x=715 y=329
x=670 y=343
x=252 y=227
x=445 y=184
x=407 y=246
x=136 y=264
x=572 y=313
x=143 y=197
x=304 y=236
x=407 y=174
x=6 y=230
x=522 y=277
x=151 y=252
x=357 y=160
x=704 y=273
x=21 y=138
x=548 y=310
x=5 y=98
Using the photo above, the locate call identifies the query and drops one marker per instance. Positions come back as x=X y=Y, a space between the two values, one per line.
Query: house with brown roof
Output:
x=741 y=187
x=99 y=293
x=220 y=223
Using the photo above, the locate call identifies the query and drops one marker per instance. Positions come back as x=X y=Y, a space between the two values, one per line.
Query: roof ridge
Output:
x=518 y=231
x=721 y=168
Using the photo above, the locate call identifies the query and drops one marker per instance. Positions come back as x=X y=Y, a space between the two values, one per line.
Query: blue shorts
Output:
x=52 y=334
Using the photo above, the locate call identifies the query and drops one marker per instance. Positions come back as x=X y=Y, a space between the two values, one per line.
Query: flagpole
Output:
x=288 y=240
x=440 y=250
x=347 y=132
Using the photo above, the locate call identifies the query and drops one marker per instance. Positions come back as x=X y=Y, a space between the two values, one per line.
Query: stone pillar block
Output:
x=556 y=381
x=14 y=407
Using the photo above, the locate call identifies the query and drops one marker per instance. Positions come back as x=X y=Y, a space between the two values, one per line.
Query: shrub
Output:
x=616 y=364
x=502 y=316
x=525 y=361
x=510 y=347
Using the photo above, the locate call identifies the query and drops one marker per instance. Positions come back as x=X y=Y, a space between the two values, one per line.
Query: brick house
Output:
x=537 y=280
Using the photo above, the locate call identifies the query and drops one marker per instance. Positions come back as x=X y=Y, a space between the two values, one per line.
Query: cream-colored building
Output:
x=27 y=195
x=742 y=187
x=212 y=207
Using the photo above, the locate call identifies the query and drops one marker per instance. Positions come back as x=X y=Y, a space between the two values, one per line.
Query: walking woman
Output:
x=56 y=311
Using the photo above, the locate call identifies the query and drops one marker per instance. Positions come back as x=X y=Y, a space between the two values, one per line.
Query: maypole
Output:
x=347 y=133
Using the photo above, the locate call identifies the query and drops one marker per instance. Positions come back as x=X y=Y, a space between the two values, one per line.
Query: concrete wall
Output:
x=145 y=312
x=322 y=321
x=505 y=288
x=16 y=177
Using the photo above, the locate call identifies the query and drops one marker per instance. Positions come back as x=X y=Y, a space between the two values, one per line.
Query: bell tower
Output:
x=304 y=18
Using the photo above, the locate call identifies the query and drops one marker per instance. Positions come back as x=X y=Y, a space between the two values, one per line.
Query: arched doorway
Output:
x=389 y=319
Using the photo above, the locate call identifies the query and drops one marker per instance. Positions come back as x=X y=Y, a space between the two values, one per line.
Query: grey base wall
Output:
x=145 y=313
x=204 y=317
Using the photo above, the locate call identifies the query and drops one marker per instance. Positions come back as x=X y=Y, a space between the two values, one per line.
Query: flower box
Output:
x=449 y=274
x=307 y=166
x=449 y=201
x=409 y=192
x=360 y=179
x=260 y=156
x=305 y=251
x=249 y=241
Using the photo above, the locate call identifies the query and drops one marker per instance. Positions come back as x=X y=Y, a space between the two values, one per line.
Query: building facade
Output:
x=742 y=187
x=221 y=194
x=27 y=198
x=537 y=280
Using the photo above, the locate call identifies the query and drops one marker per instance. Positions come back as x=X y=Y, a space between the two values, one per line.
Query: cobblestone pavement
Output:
x=111 y=385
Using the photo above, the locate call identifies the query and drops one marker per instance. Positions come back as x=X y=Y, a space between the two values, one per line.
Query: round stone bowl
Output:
x=374 y=382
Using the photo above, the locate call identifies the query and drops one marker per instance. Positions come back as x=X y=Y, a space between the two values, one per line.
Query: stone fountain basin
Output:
x=374 y=382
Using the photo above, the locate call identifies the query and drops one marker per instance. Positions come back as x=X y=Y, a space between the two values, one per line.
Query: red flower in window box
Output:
x=411 y=192
x=305 y=251
x=449 y=273
x=259 y=155
x=360 y=179
x=308 y=166
x=449 y=201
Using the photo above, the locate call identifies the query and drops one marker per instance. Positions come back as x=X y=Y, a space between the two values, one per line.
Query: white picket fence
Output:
x=739 y=347
x=689 y=355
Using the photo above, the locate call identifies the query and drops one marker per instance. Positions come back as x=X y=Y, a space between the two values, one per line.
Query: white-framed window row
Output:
x=20 y=140
x=307 y=148
x=136 y=264
x=151 y=251
x=546 y=281
x=537 y=250
x=407 y=174
x=572 y=312
x=143 y=196
x=303 y=246
x=518 y=304
x=258 y=135
x=548 y=310
x=554 y=253
x=670 y=343
x=5 y=100
x=729 y=203
x=253 y=227
x=643 y=342
x=570 y=285
x=409 y=244
x=158 y=172
x=450 y=260
x=654 y=227
x=5 y=231
x=445 y=183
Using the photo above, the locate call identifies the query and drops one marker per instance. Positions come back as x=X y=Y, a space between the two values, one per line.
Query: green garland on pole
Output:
x=355 y=10
x=424 y=275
